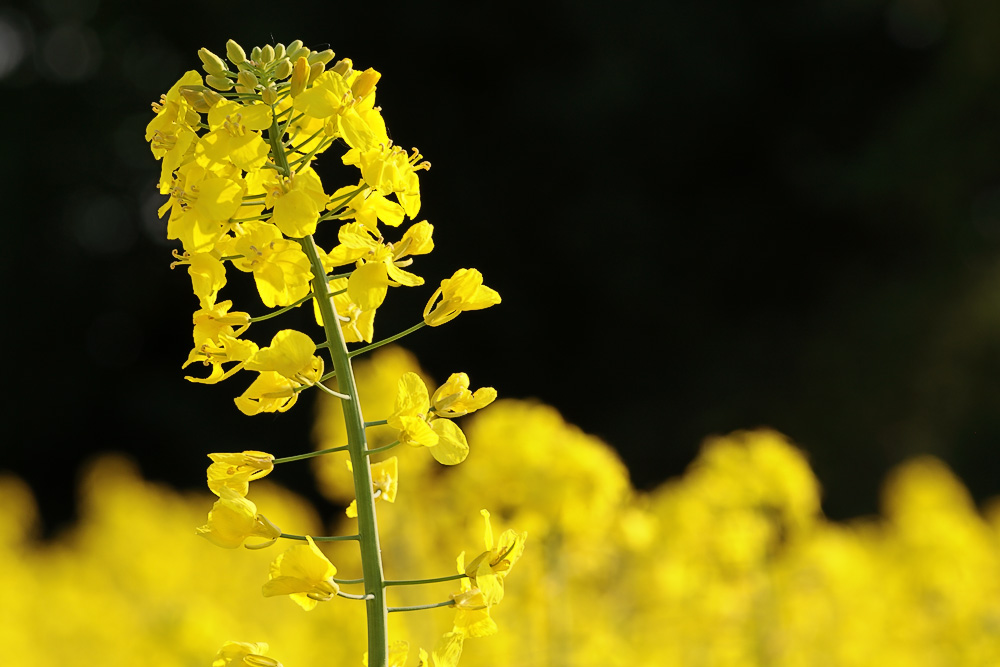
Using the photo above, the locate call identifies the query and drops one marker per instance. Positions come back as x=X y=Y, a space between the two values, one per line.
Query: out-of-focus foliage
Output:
x=731 y=564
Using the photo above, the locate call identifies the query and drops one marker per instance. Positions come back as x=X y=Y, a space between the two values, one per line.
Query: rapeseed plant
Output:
x=237 y=148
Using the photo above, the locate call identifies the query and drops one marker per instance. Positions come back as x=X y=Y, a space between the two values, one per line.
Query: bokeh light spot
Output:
x=71 y=53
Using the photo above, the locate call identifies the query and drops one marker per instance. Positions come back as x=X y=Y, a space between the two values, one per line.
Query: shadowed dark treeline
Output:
x=702 y=216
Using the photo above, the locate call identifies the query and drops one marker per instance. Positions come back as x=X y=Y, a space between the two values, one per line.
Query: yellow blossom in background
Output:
x=399 y=651
x=731 y=564
x=488 y=569
x=244 y=653
x=385 y=483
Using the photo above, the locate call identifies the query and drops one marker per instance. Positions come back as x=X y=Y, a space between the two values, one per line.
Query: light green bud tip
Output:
x=213 y=63
x=218 y=82
x=266 y=55
x=255 y=54
x=321 y=57
x=235 y=52
x=283 y=69
x=247 y=79
x=279 y=51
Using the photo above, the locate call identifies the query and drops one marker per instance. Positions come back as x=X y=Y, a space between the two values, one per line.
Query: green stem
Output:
x=417 y=582
x=263 y=216
x=371 y=551
x=327 y=538
x=369 y=452
x=390 y=339
x=282 y=310
x=418 y=607
x=299 y=457
x=351 y=596
x=380 y=422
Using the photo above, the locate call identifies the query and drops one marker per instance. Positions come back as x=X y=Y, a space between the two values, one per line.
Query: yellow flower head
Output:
x=463 y=291
x=280 y=268
x=236 y=471
x=304 y=574
x=270 y=392
x=418 y=428
x=290 y=354
x=234 y=519
x=453 y=398
x=356 y=324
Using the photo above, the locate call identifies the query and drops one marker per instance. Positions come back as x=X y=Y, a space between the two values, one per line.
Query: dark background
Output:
x=702 y=215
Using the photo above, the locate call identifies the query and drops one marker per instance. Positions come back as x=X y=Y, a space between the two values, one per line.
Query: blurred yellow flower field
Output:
x=731 y=564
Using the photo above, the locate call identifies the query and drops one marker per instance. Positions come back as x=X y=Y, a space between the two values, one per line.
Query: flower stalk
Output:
x=357 y=443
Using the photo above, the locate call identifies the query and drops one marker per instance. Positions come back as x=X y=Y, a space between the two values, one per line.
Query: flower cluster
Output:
x=237 y=148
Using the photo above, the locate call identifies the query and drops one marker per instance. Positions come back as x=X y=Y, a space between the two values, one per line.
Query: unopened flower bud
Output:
x=295 y=54
x=321 y=57
x=235 y=52
x=300 y=76
x=211 y=97
x=279 y=51
x=266 y=55
x=255 y=54
x=247 y=80
x=195 y=96
x=315 y=70
x=343 y=67
x=365 y=83
x=283 y=69
x=269 y=94
x=213 y=63
x=293 y=47
x=218 y=82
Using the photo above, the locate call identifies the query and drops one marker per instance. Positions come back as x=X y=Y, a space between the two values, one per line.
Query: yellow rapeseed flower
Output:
x=463 y=291
x=304 y=574
x=234 y=519
x=237 y=470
